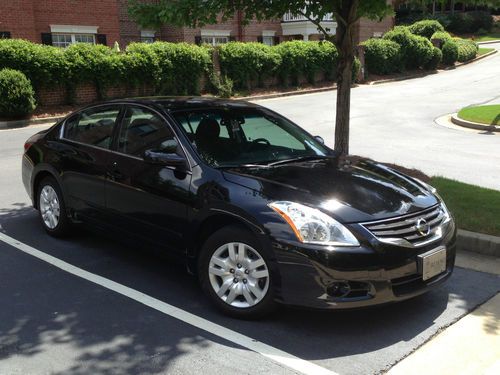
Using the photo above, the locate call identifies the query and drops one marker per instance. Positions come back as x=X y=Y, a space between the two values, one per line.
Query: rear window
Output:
x=93 y=126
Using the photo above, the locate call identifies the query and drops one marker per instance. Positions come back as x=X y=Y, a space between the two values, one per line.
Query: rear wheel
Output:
x=234 y=272
x=52 y=209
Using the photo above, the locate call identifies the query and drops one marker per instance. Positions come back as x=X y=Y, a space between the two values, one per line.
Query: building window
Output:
x=268 y=37
x=64 y=40
x=269 y=40
x=214 y=40
x=4 y=34
x=147 y=36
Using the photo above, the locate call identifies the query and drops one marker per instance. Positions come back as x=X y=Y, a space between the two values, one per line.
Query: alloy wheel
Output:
x=239 y=275
x=49 y=206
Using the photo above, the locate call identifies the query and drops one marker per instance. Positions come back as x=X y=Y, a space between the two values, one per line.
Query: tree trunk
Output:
x=345 y=46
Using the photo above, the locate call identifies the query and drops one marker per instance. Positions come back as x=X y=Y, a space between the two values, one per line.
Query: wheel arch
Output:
x=38 y=176
x=211 y=224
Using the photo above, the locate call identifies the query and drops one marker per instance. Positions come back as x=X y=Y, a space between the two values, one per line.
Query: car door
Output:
x=147 y=199
x=83 y=151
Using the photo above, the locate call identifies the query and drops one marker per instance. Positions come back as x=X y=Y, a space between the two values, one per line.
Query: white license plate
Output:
x=433 y=262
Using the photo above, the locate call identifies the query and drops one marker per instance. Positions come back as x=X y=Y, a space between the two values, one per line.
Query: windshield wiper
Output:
x=298 y=159
x=244 y=166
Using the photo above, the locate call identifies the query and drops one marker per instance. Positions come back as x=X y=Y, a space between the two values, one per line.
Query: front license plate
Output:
x=433 y=262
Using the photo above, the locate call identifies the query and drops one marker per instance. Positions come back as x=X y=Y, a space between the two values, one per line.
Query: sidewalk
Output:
x=470 y=346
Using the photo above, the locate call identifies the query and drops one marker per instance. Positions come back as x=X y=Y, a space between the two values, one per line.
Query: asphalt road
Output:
x=55 y=322
x=394 y=122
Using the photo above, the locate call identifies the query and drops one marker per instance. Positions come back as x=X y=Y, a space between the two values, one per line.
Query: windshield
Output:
x=233 y=138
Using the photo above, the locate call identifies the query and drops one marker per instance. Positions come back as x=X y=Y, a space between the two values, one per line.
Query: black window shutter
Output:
x=232 y=39
x=260 y=39
x=197 y=40
x=5 y=35
x=47 y=39
x=101 y=39
x=276 y=40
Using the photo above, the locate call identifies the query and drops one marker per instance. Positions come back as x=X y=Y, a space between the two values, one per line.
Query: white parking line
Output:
x=268 y=351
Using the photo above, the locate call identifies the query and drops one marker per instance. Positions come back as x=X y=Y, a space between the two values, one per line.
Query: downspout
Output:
x=240 y=25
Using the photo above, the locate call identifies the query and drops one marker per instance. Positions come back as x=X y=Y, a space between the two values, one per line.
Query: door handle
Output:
x=114 y=173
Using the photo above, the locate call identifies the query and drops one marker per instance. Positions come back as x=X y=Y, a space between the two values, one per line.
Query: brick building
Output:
x=270 y=32
x=60 y=22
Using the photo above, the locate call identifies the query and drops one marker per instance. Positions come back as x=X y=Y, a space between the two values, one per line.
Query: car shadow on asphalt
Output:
x=382 y=334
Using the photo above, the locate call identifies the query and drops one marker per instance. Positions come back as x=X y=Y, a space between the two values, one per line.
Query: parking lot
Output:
x=91 y=305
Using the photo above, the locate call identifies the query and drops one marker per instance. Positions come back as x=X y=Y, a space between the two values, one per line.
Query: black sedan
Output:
x=261 y=211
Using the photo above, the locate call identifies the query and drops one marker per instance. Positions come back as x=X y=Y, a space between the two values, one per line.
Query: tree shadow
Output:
x=121 y=334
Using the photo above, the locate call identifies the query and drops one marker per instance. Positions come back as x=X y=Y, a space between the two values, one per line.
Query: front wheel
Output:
x=52 y=209
x=234 y=272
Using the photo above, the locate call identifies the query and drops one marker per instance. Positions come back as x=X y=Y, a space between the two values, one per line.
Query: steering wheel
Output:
x=261 y=140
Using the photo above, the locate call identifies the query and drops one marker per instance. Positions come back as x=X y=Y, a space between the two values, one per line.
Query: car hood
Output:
x=349 y=189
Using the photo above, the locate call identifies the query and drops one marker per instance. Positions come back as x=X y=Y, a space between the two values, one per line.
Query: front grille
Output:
x=403 y=230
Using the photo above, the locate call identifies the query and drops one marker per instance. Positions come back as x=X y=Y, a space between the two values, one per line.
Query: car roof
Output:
x=173 y=103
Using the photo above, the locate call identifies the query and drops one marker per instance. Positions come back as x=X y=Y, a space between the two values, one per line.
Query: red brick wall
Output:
x=29 y=18
x=17 y=17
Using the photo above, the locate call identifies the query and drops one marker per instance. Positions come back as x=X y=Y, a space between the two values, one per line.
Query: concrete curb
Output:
x=489 y=42
x=28 y=122
x=424 y=74
x=287 y=93
x=473 y=125
x=478 y=243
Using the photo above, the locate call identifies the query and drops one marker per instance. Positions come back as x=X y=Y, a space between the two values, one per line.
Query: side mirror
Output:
x=319 y=139
x=162 y=158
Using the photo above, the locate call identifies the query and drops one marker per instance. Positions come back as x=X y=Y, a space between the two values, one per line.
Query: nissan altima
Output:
x=258 y=209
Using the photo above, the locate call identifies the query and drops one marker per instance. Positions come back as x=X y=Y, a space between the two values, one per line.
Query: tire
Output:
x=258 y=299
x=52 y=209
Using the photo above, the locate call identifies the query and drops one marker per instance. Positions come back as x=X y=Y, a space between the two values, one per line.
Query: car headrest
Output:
x=208 y=128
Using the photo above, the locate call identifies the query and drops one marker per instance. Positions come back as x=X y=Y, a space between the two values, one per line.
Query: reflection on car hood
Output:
x=351 y=191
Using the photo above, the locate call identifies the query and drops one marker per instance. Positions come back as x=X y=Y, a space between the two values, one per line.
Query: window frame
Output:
x=62 y=131
x=166 y=120
x=213 y=39
x=73 y=39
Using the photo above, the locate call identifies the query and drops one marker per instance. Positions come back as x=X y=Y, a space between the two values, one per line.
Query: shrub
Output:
x=244 y=63
x=41 y=64
x=221 y=86
x=305 y=58
x=382 y=56
x=182 y=66
x=416 y=50
x=433 y=63
x=442 y=35
x=17 y=97
x=450 y=52
x=462 y=23
x=356 y=67
x=426 y=28
x=467 y=49
x=92 y=63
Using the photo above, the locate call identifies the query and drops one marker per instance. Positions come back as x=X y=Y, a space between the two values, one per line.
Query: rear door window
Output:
x=93 y=126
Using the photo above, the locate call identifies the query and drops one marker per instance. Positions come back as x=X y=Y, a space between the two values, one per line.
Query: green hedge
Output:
x=245 y=63
x=169 y=68
x=442 y=35
x=426 y=28
x=416 y=50
x=437 y=57
x=17 y=97
x=467 y=49
x=306 y=58
x=382 y=56
x=450 y=52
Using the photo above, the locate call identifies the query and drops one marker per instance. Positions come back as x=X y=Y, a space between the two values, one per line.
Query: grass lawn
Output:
x=475 y=208
x=483 y=51
x=487 y=37
x=485 y=114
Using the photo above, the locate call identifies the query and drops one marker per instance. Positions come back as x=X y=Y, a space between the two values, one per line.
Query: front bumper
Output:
x=372 y=274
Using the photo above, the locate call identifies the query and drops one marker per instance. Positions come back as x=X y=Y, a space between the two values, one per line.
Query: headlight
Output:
x=313 y=226
x=446 y=213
